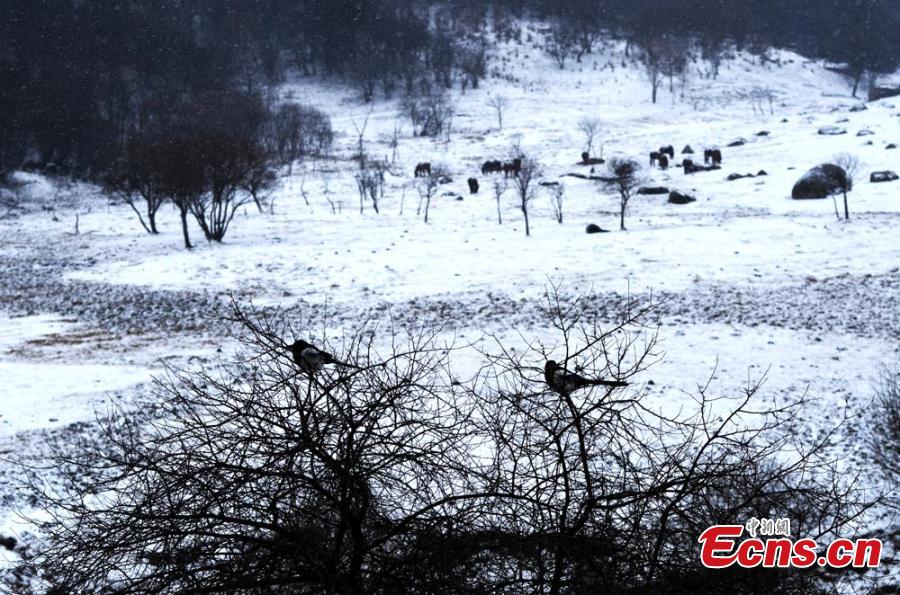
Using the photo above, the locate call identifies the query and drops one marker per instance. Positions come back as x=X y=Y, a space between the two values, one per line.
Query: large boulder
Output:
x=820 y=182
x=883 y=176
x=677 y=198
x=653 y=190
x=594 y=228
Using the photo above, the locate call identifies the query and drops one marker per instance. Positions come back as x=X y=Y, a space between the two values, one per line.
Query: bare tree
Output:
x=590 y=128
x=850 y=164
x=499 y=187
x=559 y=43
x=140 y=179
x=473 y=63
x=361 y=137
x=625 y=180
x=431 y=112
x=428 y=186
x=612 y=494
x=296 y=131
x=499 y=103
x=370 y=184
x=557 y=191
x=525 y=183
x=884 y=436
x=390 y=473
x=253 y=477
x=663 y=55
x=394 y=143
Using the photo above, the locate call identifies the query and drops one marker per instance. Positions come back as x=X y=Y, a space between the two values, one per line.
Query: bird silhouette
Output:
x=310 y=358
x=564 y=382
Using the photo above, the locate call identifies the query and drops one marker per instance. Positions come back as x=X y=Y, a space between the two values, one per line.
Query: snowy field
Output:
x=749 y=280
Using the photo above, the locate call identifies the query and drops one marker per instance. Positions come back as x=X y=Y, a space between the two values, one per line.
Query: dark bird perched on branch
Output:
x=310 y=358
x=564 y=382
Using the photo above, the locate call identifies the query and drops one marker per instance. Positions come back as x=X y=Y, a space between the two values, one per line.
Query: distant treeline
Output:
x=79 y=78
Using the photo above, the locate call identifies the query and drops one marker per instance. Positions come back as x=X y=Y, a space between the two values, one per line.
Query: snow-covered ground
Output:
x=751 y=279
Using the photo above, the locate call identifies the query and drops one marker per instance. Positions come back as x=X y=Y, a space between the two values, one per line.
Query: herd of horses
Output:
x=712 y=159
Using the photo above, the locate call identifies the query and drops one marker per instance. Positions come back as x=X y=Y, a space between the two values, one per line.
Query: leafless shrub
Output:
x=393 y=473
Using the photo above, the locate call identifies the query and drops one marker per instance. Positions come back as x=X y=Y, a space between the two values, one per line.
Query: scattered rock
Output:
x=738 y=142
x=843 y=120
x=733 y=177
x=865 y=132
x=883 y=176
x=594 y=228
x=550 y=184
x=832 y=130
x=653 y=190
x=891 y=146
x=677 y=198
x=445 y=180
x=687 y=150
x=820 y=182
x=762 y=133
x=8 y=542
x=860 y=107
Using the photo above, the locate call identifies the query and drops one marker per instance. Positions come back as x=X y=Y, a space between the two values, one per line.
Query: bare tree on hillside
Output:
x=499 y=104
x=590 y=128
x=139 y=179
x=850 y=164
x=430 y=112
x=625 y=180
x=370 y=184
x=499 y=188
x=428 y=186
x=559 y=44
x=473 y=63
x=525 y=184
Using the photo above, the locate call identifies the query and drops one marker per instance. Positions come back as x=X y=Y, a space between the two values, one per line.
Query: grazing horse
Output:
x=663 y=162
x=473 y=186
x=491 y=167
x=423 y=170
x=668 y=150
x=654 y=157
x=716 y=156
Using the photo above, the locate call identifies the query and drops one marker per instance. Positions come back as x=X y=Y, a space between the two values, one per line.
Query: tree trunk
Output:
x=184 y=230
x=525 y=214
x=856 y=81
x=846 y=207
x=622 y=218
